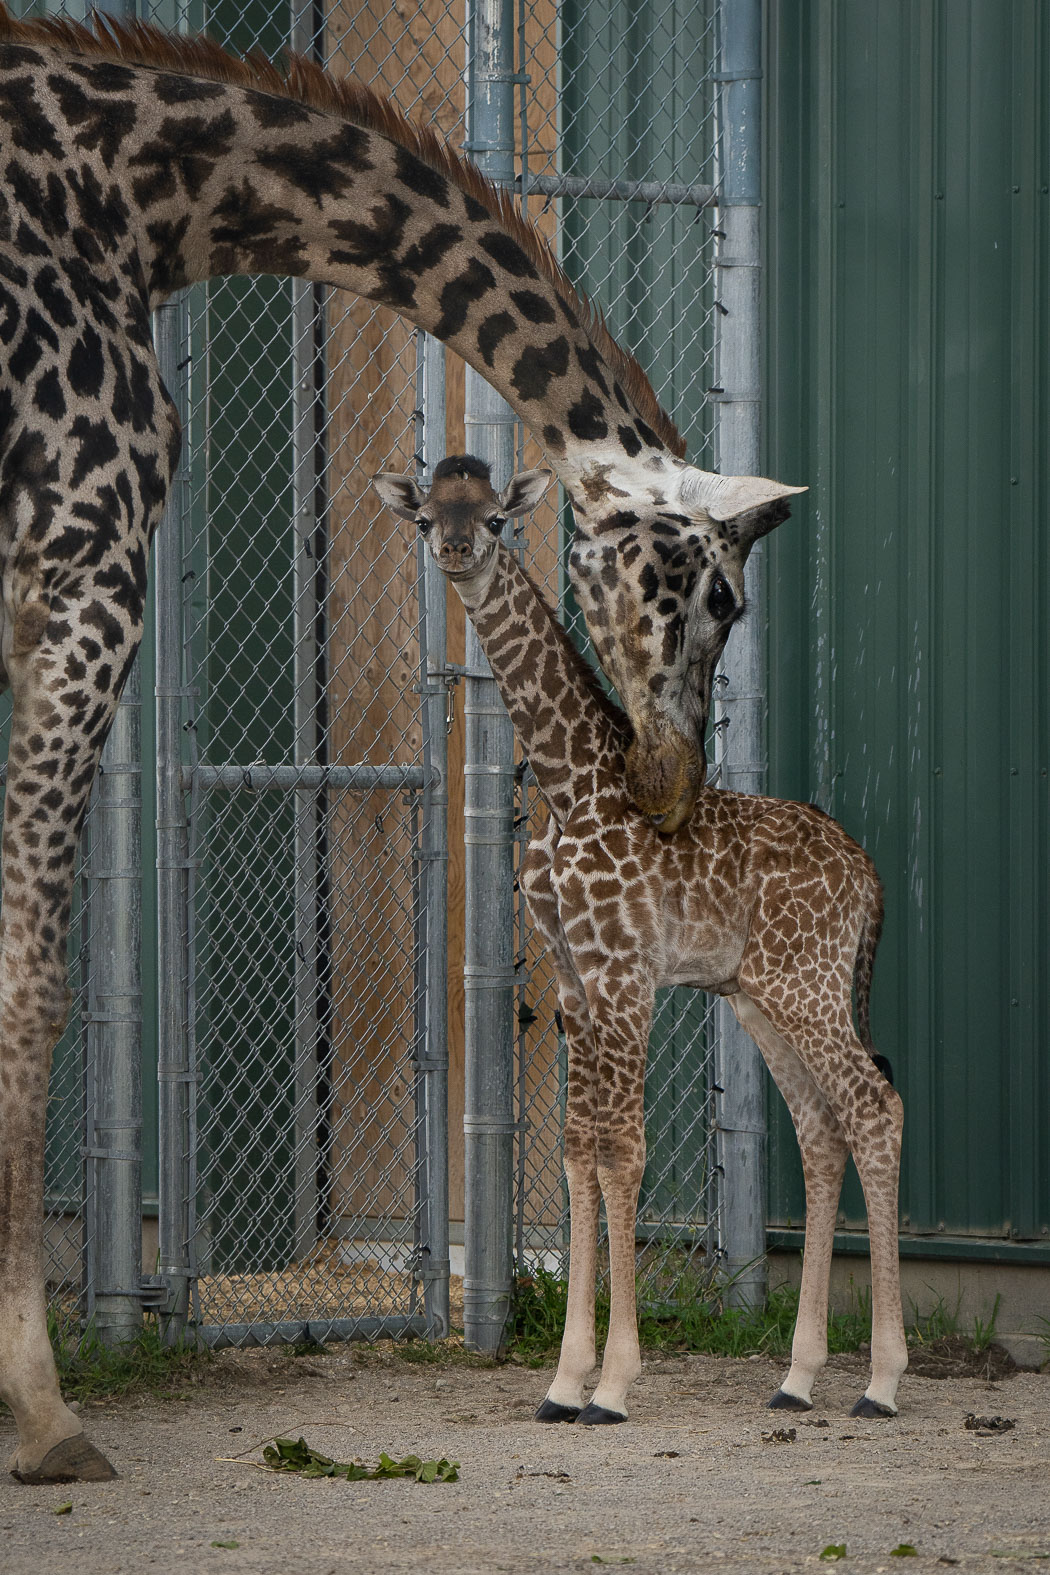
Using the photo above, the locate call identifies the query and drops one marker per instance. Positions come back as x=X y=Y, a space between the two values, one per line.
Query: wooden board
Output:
x=416 y=54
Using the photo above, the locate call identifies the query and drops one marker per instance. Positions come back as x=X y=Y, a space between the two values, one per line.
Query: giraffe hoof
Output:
x=598 y=1416
x=551 y=1411
x=872 y=1408
x=782 y=1401
x=73 y=1460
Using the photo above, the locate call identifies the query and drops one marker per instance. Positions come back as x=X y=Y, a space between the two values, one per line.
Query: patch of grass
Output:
x=698 y=1320
x=942 y=1321
x=440 y=1353
x=89 y=1370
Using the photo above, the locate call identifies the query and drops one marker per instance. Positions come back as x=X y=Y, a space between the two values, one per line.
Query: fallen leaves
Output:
x=296 y=1455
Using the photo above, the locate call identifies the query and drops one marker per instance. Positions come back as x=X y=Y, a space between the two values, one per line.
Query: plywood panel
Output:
x=414 y=55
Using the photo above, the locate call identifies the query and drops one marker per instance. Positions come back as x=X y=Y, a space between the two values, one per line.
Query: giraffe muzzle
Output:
x=664 y=776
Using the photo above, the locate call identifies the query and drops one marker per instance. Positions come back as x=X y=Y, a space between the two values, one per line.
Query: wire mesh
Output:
x=625 y=95
x=311 y=1153
x=307 y=1152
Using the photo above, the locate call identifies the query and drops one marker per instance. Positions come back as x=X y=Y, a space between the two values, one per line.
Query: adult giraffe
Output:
x=133 y=164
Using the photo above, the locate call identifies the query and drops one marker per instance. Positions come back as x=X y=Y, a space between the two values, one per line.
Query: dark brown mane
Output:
x=139 y=44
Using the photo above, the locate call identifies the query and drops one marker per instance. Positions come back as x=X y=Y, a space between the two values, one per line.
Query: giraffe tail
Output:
x=863 y=968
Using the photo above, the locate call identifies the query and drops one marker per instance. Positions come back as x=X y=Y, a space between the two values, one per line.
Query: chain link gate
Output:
x=302 y=690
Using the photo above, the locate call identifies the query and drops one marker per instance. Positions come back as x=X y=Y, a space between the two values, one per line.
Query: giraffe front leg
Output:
x=577 y=1358
x=565 y=1397
x=621 y=1010
x=620 y=1177
x=56 y=740
x=824 y=1150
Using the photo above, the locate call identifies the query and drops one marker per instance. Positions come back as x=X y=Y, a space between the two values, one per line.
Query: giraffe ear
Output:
x=399 y=493
x=750 y=505
x=524 y=491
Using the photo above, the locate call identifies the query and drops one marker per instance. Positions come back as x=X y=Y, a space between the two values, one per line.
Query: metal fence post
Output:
x=174 y=1059
x=113 y=1023
x=488 y=1120
x=740 y=711
x=113 y=1015
x=434 y=1264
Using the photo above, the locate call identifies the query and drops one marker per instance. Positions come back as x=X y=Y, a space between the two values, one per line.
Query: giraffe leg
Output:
x=57 y=736
x=817 y=1022
x=824 y=1150
x=621 y=1010
x=577 y=1359
x=875 y=1140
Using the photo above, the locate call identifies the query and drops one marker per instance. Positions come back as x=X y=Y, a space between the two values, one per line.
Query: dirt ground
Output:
x=695 y=1481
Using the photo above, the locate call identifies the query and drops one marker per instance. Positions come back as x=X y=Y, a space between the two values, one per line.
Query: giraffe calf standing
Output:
x=765 y=902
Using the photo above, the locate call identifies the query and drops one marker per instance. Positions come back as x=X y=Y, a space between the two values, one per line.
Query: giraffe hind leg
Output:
x=819 y=1028
x=824 y=1150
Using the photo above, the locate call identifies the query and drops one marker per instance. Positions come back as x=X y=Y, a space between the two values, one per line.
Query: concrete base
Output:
x=968 y=1292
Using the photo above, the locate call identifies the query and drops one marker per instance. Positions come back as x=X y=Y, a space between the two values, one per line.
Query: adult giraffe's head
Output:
x=657 y=566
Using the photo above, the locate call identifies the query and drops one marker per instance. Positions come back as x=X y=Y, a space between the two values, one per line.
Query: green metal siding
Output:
x=908 y=163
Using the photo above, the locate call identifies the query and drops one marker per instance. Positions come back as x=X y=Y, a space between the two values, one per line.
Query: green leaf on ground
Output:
x=63 y=1509
x=834 y=1550
x=904 y=1550
x=295 y=1454
x=226 y=1544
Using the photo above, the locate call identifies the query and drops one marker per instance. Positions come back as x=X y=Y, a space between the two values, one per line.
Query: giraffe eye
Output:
x=496 y=523
x=720 y=599
x=423 y=523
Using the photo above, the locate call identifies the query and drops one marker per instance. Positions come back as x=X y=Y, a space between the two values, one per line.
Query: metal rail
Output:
x=741 y=696
x=488 y=1119
x=648 y=191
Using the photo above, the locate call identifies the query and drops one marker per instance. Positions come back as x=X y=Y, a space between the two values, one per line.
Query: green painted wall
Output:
x=907 y=167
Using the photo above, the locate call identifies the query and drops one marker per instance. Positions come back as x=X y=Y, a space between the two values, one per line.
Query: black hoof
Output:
x=551 y=1411
x=73 y=1460
x=782 y=1401
x=871 y=1408
x=598 y=1416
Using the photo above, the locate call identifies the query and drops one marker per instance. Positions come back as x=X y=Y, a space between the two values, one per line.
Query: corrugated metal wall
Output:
x=908 y=163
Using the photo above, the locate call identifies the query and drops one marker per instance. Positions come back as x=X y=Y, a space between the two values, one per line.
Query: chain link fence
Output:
x=295 y=1049
x=619 y=132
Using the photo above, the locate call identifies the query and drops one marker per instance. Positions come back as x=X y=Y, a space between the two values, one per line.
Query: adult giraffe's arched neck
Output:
x=223 y=166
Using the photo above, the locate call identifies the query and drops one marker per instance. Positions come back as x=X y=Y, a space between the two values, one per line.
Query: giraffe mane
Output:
x=141 y=44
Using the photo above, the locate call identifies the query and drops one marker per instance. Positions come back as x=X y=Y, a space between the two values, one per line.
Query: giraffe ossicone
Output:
x=136 y=163
x=768 y=903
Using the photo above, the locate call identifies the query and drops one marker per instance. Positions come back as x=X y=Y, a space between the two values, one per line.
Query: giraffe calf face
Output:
x=462 y=516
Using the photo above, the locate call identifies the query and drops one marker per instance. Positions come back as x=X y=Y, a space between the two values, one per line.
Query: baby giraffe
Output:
x=767 y=903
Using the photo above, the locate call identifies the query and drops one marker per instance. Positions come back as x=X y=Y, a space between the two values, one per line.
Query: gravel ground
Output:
x=695 y=1481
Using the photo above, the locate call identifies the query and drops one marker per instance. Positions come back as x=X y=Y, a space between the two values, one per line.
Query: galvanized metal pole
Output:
x=113 y=1024
x=488 y=1121
x=740 y=709
x=114 y=1017
x=434 y=1266
x=174 y=1053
